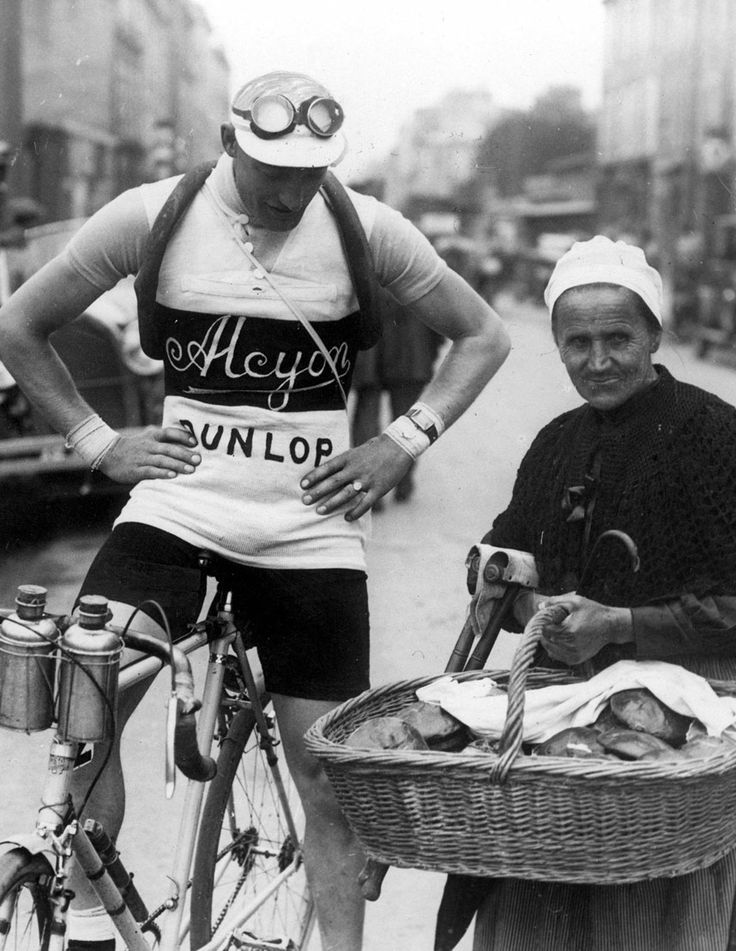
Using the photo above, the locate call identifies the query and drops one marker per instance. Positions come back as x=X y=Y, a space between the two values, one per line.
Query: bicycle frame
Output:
x=73 y=839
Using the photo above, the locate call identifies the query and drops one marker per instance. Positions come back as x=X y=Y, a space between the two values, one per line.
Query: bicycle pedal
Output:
x=233 y=683
x=246 y=941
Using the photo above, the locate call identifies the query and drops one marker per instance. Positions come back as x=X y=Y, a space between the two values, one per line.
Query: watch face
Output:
x=423 y=423
x=416 y=417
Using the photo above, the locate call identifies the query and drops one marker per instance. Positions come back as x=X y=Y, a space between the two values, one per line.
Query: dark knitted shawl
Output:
x=661 y=468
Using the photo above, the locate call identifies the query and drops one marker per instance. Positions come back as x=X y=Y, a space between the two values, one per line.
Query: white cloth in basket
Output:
x=547 y=710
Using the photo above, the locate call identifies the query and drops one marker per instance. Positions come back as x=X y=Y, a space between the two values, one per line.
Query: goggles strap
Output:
x=233 y=219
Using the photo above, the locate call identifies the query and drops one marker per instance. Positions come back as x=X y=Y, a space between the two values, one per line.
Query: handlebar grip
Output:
x=187 y=755
x=471 y=577
x=493 y=573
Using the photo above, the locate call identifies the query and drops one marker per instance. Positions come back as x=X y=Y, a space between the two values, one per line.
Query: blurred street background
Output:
x=505 y=132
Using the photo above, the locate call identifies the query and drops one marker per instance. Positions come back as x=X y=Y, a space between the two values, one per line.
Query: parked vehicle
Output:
x=533 y=266
x=102 y=351
x=715 y=324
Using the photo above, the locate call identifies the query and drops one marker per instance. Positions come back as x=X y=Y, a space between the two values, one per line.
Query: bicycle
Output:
x=237 y=877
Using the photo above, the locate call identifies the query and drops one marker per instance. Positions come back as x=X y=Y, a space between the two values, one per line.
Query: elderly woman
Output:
x=655 y=458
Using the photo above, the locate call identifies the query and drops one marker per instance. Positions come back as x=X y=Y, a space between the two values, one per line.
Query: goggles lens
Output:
x=274 y=115
x=324 y=116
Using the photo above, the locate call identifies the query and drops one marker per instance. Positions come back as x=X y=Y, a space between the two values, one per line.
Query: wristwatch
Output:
x=405 y=428
x=424 y=423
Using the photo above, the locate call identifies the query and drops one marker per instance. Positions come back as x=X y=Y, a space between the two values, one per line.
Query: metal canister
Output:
x=89 y=664
x=28 y=663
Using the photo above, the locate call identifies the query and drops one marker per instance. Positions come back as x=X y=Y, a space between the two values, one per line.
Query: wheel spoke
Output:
x=253 y=846
x=25 y=906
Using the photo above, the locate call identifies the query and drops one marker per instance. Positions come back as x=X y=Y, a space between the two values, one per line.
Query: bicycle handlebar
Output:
x=187 y=756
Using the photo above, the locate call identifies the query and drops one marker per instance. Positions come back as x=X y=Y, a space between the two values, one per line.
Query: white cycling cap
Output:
x=263 y=130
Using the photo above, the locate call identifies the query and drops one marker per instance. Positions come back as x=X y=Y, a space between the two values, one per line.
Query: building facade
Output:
x=666 y=133
x=114 y=92
x=435 y=154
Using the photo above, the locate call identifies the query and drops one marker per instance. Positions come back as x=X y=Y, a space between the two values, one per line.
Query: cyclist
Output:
x=253 y=460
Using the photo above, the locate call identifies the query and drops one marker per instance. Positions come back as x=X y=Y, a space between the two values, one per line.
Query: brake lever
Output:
x=170 y=766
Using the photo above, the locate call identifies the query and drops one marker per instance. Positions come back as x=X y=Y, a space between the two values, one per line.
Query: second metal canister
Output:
x=88 y=675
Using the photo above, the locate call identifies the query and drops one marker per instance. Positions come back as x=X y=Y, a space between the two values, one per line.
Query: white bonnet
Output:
x=602 y=261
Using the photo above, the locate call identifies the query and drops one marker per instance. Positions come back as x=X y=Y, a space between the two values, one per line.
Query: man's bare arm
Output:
x=46 y=302
x=479 y=345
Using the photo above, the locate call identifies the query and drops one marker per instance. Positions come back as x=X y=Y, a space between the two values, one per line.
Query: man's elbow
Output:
x=494 y=339
x=8 y=339
x=12 y=333
x=502 y=338
x=17 y=336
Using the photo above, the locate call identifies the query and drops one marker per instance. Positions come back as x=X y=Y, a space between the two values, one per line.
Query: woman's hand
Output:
x=357 y=478
x=526 y=605
x=151 y=454
x=588 y=627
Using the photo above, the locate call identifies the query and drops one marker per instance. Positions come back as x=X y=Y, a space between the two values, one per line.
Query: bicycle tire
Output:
x=256 y=850
x=26 y=908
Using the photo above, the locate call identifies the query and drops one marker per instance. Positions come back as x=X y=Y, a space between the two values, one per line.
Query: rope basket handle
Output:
x=513 y=729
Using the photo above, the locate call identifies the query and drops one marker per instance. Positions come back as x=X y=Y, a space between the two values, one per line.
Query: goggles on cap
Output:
x=274 y=115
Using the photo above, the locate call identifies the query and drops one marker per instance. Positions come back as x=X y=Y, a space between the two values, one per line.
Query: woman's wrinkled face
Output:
x=606 y=343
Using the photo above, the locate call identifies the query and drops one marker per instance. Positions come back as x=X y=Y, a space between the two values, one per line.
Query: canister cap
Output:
x=32 y=595
x=93 y=604
x=93 y=607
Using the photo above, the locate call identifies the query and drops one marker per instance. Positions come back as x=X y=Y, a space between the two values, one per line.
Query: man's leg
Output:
x=366 y=421
x=135 y=563
x=332 y=856
x=311 y=628
x=89 y=929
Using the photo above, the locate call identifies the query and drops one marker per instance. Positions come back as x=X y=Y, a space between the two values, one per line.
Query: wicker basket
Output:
x=528 y=817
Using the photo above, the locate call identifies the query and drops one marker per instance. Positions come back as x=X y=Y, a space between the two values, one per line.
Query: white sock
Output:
x=89 y=924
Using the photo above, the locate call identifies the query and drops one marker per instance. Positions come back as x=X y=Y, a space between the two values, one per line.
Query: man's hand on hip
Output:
x=152 y=454
x=356 y=479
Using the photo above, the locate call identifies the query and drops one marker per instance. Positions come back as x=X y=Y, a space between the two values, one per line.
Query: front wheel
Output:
x=244 y=845
x=26 y=909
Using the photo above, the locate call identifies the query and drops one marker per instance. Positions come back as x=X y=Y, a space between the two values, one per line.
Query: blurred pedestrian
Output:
x=400 y=366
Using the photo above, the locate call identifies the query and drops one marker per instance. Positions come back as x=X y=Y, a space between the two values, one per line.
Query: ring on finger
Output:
x=357 y=486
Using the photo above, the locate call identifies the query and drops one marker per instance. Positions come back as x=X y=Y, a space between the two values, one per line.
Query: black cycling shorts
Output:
x=310 y=626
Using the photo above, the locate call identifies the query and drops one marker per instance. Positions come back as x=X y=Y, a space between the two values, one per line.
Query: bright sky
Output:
x=385 y=58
